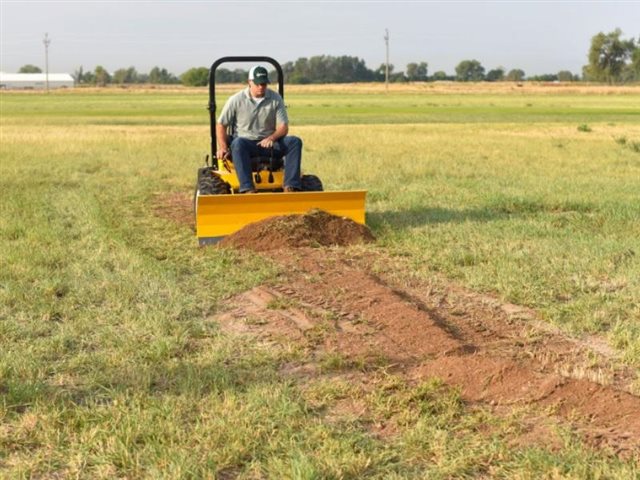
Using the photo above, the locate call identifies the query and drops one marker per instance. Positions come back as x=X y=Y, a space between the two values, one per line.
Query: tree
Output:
x=78 y=75
x=412 y=74
x=631 y=71
x=545 y=77
x=351 y=69
x=297 y=72
x=224 y=75
x=88 y=78
x=439 y=76
x=417 y=72
x=119 y=76
x=607 y=57
x=565 y=76
x=162 y=76
x=29 y=69
x=495 y=75
x=327 y=69
x=515 y=75
x=195 y=77
x=470 y=71
x=102 y=77
x=125 y=75
x=398 y=77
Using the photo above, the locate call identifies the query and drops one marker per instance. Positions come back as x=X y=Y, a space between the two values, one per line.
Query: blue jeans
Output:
x=243 y=149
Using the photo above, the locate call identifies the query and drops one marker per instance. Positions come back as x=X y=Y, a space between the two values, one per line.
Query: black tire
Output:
x=311 y=183
x=210 y=183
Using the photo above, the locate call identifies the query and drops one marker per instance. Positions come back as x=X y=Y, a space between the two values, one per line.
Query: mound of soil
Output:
x=313 y=229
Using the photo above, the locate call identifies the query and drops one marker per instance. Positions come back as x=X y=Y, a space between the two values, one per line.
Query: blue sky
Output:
x=536 y=36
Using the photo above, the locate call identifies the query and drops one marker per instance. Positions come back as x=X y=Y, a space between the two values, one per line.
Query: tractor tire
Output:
x=311 y=183
x=210 y=183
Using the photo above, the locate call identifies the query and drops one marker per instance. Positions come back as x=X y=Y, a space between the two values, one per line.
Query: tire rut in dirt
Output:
x=373 y=321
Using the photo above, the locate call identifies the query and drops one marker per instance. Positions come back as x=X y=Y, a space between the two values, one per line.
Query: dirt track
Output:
x=499 y=356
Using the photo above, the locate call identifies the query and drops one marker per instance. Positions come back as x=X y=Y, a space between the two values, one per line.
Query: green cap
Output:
x=259 y=75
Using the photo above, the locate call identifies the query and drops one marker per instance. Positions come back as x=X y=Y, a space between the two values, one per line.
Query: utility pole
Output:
x=46 y=42
x=386 y=69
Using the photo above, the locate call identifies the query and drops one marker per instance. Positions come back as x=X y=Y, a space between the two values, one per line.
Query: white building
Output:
x=35 y=81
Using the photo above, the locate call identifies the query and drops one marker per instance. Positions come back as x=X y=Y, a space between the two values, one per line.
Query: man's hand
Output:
x=266 y=142
x=222 y=152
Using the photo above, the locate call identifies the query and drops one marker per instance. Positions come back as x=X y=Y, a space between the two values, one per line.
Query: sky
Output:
x=535 y=36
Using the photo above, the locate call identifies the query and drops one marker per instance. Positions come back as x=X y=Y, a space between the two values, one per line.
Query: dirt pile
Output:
x=315 y=228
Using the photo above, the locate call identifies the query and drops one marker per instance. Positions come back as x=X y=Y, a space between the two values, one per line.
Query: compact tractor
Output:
x=220 y=210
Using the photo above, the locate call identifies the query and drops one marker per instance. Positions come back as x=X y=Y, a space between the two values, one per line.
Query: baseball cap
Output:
x=259 y=75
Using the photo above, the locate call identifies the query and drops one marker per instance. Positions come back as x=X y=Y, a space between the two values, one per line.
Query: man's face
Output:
x=257 y=90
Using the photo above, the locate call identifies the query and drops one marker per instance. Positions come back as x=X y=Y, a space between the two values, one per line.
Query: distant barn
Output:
x=35 y=81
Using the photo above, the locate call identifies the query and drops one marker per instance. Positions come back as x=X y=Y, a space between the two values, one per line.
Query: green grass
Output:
x=149 y=107
x=110 y=365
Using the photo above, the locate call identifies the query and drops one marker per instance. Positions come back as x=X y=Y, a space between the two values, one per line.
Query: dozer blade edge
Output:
x=220 y=215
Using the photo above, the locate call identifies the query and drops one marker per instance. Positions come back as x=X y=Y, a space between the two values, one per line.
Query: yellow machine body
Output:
x=221 y=215
x=261 y=180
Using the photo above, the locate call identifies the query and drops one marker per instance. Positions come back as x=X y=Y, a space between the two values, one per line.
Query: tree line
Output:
x=612 y=59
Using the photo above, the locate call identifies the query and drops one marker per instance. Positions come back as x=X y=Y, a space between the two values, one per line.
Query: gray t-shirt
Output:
x=253 y=120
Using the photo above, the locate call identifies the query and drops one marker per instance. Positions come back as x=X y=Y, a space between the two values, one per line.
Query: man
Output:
x=258 y=120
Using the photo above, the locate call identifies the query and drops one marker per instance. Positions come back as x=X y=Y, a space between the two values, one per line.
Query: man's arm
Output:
x=281 y=131
x=227 y=118
x=222 y=141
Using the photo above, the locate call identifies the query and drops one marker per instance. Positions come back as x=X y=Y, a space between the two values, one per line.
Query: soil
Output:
x=176 y=207
x=315 y=228
x=500 y=356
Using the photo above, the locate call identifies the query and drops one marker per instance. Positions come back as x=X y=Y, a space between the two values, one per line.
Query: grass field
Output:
x=110 y=366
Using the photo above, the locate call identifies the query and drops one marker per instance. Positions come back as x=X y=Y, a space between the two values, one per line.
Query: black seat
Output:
x=263 y=162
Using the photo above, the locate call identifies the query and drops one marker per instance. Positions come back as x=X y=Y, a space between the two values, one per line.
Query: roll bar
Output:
x=212 y=93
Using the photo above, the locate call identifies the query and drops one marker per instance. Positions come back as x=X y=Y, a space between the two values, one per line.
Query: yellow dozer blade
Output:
x=221 y=215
